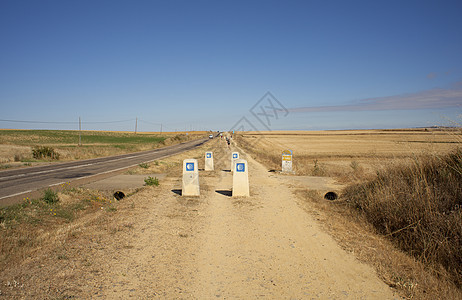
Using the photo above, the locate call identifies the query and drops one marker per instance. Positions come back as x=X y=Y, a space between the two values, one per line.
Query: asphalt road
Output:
x=16 y=184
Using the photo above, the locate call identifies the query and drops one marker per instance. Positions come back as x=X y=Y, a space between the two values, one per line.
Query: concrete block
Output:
x=234 y=157
x=241 y=179
x=208 y=161
x=190 y=178
x=287 y=161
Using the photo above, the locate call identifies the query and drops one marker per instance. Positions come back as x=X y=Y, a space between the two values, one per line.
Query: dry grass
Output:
x=26 y=226
x=418 y=207
x=356 y=235
x=305 y=164
x=347 y=155
x=17 y=145
x=404 y=195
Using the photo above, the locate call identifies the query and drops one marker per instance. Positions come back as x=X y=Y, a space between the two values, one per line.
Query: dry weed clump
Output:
x=39 y=152
x=418 y=207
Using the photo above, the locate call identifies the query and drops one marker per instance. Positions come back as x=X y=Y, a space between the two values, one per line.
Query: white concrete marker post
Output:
x=208 y=161
x=287 y=161
x=234 y=157
x=241 y=179
x=190 y=178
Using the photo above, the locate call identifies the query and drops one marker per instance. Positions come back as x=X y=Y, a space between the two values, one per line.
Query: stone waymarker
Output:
x=241 y=179
x=234 y=157
x=190 y=178
x=208 y=161
x=287 y=161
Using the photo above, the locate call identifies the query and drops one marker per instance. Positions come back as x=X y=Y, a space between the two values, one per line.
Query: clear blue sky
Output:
x=204 y=64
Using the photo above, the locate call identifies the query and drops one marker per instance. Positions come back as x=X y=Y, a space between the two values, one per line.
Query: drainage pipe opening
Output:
x=331 y=196
x=119 y=195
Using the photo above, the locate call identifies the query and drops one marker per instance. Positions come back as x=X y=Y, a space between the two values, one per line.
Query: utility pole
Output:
x=161 y=128
x=136 y=124
x=80 y=132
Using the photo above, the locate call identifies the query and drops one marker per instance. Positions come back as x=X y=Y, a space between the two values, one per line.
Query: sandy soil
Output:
x=159 y=244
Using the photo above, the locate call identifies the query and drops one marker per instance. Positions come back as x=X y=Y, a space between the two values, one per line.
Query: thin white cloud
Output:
x=431 y=75
x=431 y=99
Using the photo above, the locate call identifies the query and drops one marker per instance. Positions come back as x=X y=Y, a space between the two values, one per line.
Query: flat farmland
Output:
x=283 y=241
x=16 y=145
x=337 y=153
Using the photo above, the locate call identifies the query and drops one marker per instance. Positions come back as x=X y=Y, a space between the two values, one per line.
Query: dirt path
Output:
x=266 y=246
x=162 y=245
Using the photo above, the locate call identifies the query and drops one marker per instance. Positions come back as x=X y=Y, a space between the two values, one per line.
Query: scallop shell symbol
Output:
x=240 y=167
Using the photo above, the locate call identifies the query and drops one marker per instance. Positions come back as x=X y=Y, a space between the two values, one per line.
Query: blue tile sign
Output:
x=209 y=155
x=189 y=166
x=240 y=167
x=234 y=155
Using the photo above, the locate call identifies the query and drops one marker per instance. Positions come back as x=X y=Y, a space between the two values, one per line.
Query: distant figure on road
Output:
x=227 y=140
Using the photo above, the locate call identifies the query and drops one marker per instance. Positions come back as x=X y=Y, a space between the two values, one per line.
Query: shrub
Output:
x=419 y=208
x=151 y=181
x=39 y=152
x=179 y=137
x=318 y=169
x=355 y=166
x=50 y=196
x=144 y=165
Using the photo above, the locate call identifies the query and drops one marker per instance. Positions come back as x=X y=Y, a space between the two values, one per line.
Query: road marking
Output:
x=83 y=177
x=89 y=164
x=59 y=183
x=46 y=171
x=72 y=167
x=17 y=194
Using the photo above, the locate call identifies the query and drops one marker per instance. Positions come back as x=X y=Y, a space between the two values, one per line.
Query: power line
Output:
x=37 y=122
x=148 y=122
x=76 y=122
x=82 y=122
x=108 y=122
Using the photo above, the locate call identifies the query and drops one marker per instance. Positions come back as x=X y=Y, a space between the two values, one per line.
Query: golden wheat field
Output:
x=337 y=153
